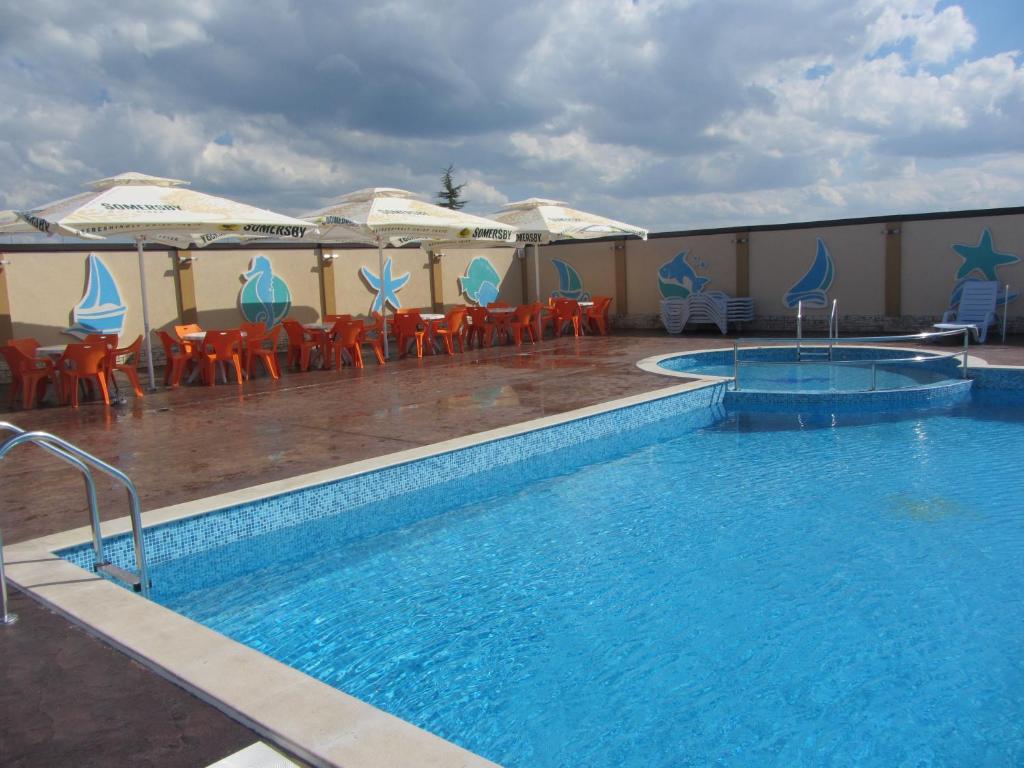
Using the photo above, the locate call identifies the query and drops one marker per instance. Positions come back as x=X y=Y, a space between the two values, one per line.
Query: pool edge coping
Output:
x=318 y=723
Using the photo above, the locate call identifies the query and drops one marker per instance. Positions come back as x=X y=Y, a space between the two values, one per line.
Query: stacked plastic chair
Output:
x=672 y=310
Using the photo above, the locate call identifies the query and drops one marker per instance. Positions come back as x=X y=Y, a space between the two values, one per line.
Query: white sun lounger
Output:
x=976 y=311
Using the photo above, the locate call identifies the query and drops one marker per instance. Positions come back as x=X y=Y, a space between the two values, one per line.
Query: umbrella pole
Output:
x=145 y=316
x=383 y=302
x=536 y=270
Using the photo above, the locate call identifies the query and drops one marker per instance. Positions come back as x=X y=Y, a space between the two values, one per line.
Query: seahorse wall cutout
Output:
x=264 y=297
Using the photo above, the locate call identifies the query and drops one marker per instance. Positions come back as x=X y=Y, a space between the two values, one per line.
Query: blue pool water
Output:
x=759 y=589
x=776 y=370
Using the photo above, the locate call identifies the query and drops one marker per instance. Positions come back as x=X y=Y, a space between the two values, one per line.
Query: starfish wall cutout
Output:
x=982 y=257
x=387 y=287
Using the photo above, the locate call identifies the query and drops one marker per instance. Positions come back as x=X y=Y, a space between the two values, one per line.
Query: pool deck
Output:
x=67 y=698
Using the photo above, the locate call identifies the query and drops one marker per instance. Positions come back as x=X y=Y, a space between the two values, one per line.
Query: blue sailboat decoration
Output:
x=812 y=288
x=570 y=284
x=101 y=309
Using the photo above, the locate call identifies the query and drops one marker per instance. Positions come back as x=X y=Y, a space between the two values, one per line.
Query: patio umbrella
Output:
x=154 y=209
x=545 y=221
x=388 y=216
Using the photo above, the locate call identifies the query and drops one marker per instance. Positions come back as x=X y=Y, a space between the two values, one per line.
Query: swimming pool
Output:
x=719 y=585
x=852 y=369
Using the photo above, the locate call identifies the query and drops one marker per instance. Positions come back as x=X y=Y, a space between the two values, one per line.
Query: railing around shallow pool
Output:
x=822 y=352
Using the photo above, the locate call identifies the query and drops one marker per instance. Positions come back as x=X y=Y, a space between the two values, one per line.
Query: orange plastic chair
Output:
x=220 y=347
x=409 y=326
x=481 y=326
x=29 y=374
x=129 y=357
x=373 y=335
x=566 y=312
x=179 y=358
x=302 y=343
x=83 y=363
x=451 y=331
x=262 y=346
x=596 y=316
x=522 y=320
x=181 y=330
x=345 y=337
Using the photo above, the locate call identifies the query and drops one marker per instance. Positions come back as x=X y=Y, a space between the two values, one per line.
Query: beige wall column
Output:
x=436 y=282
x=6 y=328
x=184 y=283
x=893 y=268
x=326 y=275
x=621 y=302
x=742 y=241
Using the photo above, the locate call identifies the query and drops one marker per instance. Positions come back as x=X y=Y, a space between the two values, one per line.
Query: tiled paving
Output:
x=66 y=698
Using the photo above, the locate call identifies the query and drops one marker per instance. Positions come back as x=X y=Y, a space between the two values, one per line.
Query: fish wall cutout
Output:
x=481 y=282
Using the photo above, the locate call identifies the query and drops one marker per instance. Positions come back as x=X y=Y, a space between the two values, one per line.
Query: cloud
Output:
x=674 y=113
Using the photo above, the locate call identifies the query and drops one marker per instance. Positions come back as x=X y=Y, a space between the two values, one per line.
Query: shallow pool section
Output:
x=741 y=588
x=776 y=369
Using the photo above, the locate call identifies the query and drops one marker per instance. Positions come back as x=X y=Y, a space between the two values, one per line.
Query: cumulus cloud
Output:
x=672 y=113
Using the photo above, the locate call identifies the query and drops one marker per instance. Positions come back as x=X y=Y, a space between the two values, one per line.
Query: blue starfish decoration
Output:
x=982 y=257
x=387 y=288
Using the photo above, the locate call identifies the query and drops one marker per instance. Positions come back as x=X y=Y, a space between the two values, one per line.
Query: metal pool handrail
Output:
x=78 y=458
x=831 y=342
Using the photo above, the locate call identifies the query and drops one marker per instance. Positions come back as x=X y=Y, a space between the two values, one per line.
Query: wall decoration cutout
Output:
x=481 y=281
x=101 y=309
x=812 y=288
x=982 y=262
x=386 y=286
x=570 y=284
x=677 y=279
x=265 y=297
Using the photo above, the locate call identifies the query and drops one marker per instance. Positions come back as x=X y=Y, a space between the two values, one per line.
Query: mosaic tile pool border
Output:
x=216 y=528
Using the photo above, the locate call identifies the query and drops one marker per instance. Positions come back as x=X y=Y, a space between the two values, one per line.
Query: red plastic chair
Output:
x=29 y=374
x=523 y=320
x=220 y=347
x=181 y=331
x=451 y=330
x=409 y=326
x=502 y=322
x=481 y=326
x=261 y=346
x=302 y=343
x=128 y=365
x=83 y=363
x=345 y=337
x=179 y=358
x=596 y=317
x=566 y=312
x=373 y=336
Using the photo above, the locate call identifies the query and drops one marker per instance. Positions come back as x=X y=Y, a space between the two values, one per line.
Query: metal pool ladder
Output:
x=138 y=579
x=816 y=352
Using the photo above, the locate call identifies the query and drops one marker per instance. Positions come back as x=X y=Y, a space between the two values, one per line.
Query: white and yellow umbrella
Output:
x=388 y=216
x=540 y=221
x=154 y=209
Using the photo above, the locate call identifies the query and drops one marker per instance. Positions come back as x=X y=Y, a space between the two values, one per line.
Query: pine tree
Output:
x=450 y=193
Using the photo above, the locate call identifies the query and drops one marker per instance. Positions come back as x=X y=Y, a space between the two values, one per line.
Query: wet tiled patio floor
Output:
x=66 y=698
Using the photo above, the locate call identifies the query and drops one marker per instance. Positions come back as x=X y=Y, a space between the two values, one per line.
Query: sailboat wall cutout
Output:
x=101 y=309
x=812 y=288
x=570 y=284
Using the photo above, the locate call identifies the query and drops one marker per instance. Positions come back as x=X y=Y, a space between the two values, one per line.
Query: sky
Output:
x=667 y=114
